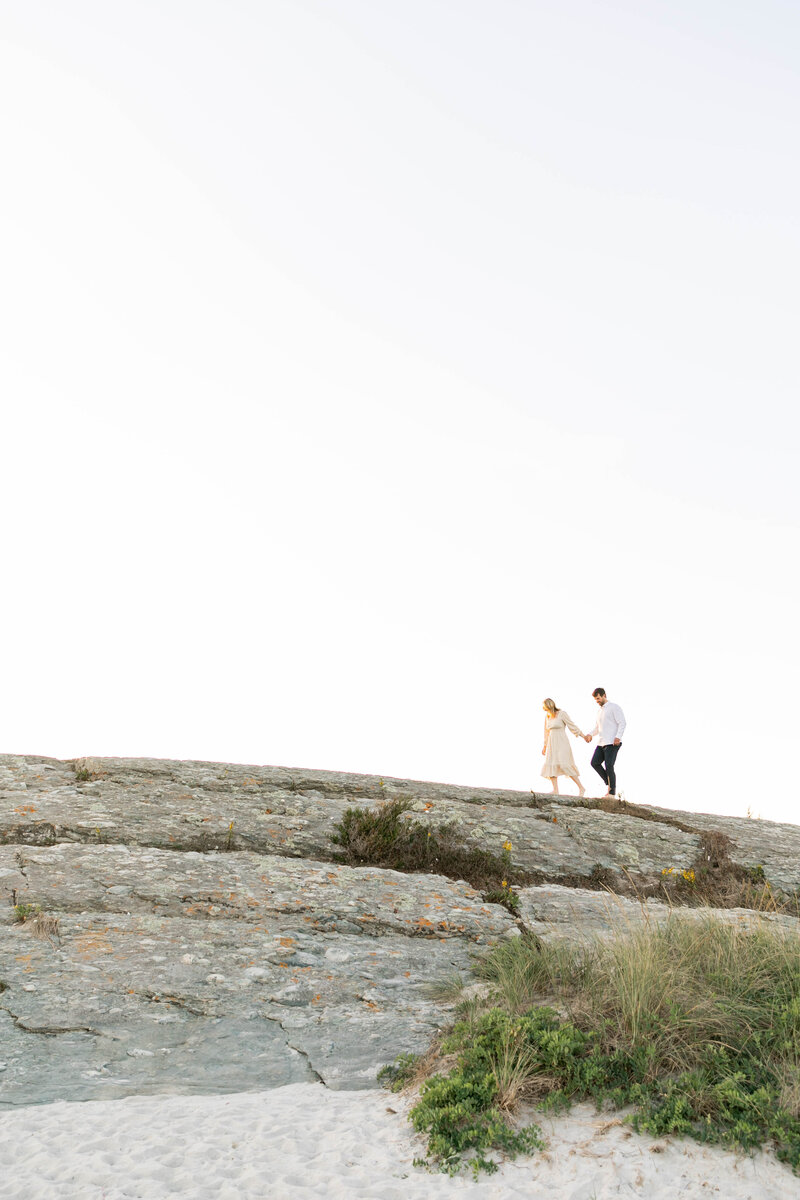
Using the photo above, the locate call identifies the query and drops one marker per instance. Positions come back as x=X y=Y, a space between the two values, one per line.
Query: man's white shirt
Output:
x=610 y=724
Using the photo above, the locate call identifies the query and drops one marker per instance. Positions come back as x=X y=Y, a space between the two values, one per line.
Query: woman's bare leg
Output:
x=554 y=781
x=581 y=788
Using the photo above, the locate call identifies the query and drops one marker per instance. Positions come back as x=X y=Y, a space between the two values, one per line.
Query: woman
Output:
x=558 y=758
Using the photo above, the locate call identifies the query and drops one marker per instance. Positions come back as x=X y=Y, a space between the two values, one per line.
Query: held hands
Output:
x=587 y=737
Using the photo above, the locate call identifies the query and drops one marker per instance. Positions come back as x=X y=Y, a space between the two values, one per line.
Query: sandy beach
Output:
x=306 y=1141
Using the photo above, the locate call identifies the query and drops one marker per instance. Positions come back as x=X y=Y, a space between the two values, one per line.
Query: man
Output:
x=609 y=729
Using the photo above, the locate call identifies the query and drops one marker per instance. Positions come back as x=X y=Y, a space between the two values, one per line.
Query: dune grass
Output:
x=693 y=1023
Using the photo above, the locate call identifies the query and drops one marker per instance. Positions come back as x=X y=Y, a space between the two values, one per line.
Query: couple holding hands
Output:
x=608 y=729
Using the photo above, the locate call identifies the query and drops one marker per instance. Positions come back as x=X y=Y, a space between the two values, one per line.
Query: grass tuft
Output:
x=40 y=924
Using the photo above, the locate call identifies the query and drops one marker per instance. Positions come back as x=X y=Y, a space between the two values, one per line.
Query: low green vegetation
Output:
x=694 y=1023
x=400 y=1073
x=386 y=837
x=26 y=912
x=715 y=881
x=85 y=770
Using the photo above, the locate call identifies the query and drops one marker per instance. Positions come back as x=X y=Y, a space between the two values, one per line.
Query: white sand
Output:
x=303 y=1141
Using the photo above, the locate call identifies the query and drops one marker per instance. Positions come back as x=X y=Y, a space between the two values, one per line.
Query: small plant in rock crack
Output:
x=84 y=772
x=26 y=912
x=504 y=895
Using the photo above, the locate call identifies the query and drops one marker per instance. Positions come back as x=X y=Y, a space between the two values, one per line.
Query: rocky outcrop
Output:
x=277 y=811
x=202 y=937
x=579 y=915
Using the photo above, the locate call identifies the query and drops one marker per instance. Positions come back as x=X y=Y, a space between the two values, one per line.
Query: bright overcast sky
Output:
x=376 y=368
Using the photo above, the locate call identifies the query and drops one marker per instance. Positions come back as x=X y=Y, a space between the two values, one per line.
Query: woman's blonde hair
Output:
x=551 y=706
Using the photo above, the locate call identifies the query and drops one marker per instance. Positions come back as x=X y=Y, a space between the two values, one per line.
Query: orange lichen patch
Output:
x=25 y=808
x=407 y=974
x=286 y=941
x=93 y=943
x=424 y=922
x=428 y=806
x=316 y=999
x=374 y=1007
x=251 y=902
x=286 y=965
x=26 y=958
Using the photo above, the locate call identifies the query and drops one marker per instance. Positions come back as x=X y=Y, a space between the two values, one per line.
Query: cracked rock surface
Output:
x=202 y=938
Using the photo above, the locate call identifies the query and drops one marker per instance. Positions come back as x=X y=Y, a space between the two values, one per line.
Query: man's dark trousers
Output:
x=603 y=761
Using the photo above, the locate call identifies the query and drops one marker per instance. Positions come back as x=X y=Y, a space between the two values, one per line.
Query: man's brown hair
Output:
x=599 y=692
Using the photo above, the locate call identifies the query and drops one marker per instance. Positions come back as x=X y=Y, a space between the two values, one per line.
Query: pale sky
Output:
x=373 y=369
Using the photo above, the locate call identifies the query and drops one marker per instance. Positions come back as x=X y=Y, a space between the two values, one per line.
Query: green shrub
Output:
x=463 y=1111
x=386 y=837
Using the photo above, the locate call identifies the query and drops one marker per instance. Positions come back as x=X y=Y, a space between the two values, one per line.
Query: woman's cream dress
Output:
x=558 y=760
